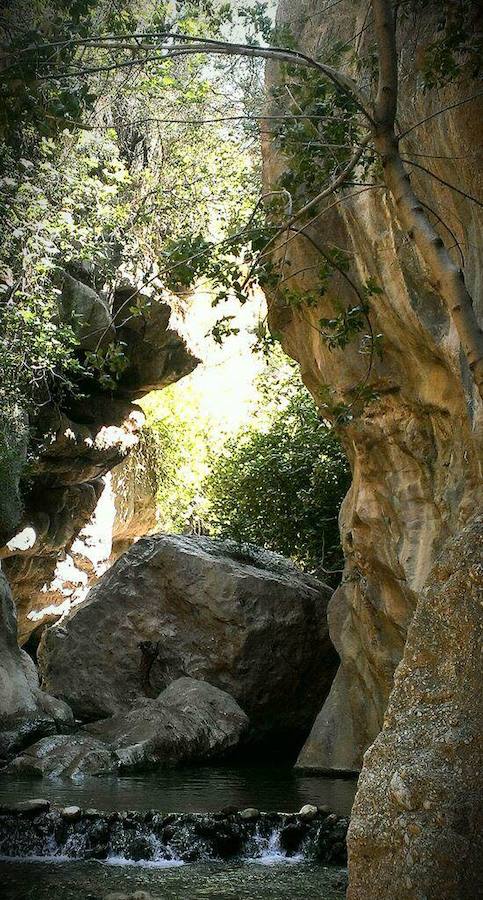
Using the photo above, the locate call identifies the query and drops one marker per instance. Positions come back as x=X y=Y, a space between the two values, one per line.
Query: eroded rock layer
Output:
x=72 y=448
x=415 y=450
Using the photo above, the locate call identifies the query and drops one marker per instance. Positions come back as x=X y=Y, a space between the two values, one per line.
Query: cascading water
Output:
x=156 y=840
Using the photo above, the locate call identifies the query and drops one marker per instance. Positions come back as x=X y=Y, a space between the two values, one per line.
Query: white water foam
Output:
x=143 y=863
x=270 y=853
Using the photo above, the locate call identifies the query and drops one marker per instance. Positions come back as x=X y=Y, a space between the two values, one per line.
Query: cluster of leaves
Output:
x=458 y=44
x=173 y=452
x=281 y=486
x=59 y=208
x=118 y=192
x=319 y=136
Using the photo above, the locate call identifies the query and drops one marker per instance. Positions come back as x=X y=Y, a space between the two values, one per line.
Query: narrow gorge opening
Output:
x=240 y=449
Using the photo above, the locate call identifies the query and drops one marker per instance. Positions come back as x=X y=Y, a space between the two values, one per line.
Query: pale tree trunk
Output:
x=445 y=276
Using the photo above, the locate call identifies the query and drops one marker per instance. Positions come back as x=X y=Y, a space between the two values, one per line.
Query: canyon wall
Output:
x=415 y=450
x=69 y=451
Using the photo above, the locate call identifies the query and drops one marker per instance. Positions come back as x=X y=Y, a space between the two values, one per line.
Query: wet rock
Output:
x=248 y=622
x=66 y=756
x=30 y=807
x=308 y=812
x=71 y=812
x=250 y=814
x=291 y=836
x=190 y=720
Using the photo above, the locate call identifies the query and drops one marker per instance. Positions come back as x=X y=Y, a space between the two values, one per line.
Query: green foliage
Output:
x=175 y=446
x=458 y=45
x=281 y=486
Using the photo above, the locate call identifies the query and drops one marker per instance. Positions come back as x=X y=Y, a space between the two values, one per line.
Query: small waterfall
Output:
x=155 y=840
x=269 y=851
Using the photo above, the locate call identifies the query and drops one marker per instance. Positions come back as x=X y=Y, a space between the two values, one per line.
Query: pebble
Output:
x=308 y=812
x=71 y=812
x=250 y=814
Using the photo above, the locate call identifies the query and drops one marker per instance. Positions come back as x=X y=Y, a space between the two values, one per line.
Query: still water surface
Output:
x=197 y=789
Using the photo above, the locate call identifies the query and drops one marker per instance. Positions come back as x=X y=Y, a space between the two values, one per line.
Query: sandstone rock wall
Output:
x=415 y=451
x=26 y=712
x=125 y=511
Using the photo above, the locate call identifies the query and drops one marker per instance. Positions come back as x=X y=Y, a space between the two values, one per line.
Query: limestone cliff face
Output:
x=73 y=448
x=415 y=451
x=124 y=512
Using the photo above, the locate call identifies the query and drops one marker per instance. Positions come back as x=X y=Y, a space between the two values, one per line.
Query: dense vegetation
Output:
x=281 y=486
x=277 y=481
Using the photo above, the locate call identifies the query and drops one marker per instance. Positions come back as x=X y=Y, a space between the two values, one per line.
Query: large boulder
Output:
x=416 y=822
x=249 y=623
x=190 y=720
x=26 y=712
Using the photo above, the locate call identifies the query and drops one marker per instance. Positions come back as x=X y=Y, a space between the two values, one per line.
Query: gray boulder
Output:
x=248 y=622
x=190 y=720
x=65 y=756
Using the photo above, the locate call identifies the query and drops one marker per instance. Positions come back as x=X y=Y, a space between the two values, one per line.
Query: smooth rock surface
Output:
x=416 y=827
x=416 y=450
x=249 y=623
x=189 y=721
x=66 y=756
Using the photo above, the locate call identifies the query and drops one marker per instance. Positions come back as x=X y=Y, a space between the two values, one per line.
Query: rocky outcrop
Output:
x=416 y=822
x=125 y=511
x=65 y=756
x=26 y=712
x=415 y=450
x=189 y=721
x=246 y=621
x=72 y=448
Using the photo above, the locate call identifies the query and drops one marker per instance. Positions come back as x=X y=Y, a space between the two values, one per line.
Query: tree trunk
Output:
x=445 y=276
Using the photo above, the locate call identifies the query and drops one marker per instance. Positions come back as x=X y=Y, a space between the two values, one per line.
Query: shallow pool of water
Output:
x=197 y=789
x=217 y=881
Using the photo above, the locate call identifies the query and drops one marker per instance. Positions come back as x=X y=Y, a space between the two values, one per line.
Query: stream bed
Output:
x=176 y=844
x=216 y=881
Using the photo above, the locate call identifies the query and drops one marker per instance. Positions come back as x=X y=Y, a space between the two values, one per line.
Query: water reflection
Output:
x=196 y=789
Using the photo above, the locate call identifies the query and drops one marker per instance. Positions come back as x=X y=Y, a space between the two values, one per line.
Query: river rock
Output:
x=247 y=621
x=66 y=756
x=190 y=720
x=416 y=821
